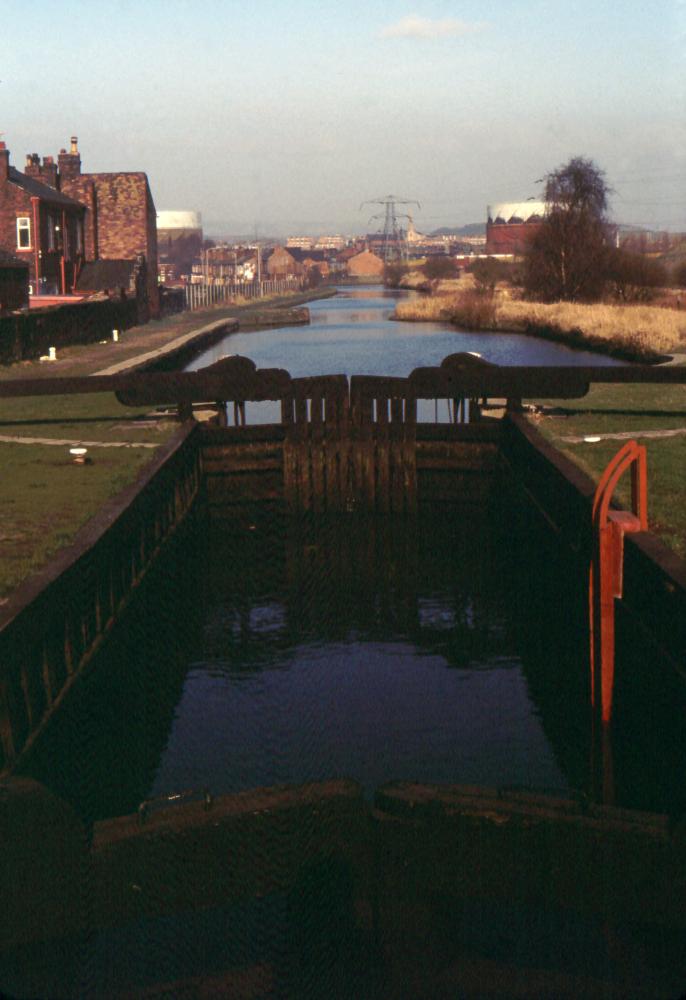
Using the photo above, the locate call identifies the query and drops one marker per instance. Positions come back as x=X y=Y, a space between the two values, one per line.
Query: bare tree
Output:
x=567 y=256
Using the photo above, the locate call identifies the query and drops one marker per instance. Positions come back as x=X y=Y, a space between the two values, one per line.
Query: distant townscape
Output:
x=67 y=235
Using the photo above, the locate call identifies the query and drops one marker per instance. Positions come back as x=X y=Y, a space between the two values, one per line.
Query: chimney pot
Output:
x=74 y=144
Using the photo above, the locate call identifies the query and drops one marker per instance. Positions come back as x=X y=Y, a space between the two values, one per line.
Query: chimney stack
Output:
x=49 y=171
x=69 y=163
x=45 y=172
x=4 y=162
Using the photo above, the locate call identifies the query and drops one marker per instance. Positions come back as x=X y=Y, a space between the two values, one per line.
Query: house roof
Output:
x=517 y=211
x=300 y=254
x=37 y=189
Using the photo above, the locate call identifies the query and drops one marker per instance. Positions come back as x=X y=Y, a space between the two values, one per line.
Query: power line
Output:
x=394 y=241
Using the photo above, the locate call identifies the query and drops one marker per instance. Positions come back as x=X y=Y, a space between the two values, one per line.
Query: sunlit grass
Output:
x=608 y=409
x=45 y=498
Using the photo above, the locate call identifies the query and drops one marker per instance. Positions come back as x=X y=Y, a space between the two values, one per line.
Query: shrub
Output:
x=679 y=275
x=393 y=274
x=439 y=267
x=487 y=272
x=473 y=310
x=633 y=277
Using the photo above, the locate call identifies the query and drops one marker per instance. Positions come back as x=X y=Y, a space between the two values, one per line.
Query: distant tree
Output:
x=487 y=272
x=679 y=275
x=439 y=267
x=567 y=256
x=314 y=277
x=393 y=274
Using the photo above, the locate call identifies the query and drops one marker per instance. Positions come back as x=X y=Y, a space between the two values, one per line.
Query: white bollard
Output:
x=115 y=336
x=52 y=353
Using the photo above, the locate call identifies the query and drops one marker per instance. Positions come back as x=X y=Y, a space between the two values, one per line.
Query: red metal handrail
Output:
x=605 y=576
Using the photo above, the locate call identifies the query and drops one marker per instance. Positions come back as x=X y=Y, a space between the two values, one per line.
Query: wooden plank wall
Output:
x=344 y=449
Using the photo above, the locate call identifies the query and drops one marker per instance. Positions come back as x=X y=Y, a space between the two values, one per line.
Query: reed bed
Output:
x=636 y=331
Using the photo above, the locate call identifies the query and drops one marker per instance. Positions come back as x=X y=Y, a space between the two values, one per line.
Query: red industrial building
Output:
x=511 y=225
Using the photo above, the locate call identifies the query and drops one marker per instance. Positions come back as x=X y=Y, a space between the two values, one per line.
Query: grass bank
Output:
x=44 y=497
x=636 y=332
x=47 y=498
x=655 y=415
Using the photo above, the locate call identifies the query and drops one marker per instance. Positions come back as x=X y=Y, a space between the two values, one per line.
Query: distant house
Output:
x=282 y=263
x=311 y=259
x=224 y=265
x=59 y=219
x=365 y=265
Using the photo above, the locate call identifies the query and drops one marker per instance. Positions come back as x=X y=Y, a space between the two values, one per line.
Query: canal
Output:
x=375 y=649
x=352 y=334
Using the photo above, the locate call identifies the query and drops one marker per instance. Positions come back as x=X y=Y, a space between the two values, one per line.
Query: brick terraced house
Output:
x=65 y=222
x=365 y=265
x=40 y=225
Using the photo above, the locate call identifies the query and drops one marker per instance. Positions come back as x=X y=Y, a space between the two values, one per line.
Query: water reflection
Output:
x=345 y=338
x=372 y=649
x=443 y=650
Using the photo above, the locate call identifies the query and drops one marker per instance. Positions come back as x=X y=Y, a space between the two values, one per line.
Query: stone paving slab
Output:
x=228 y=325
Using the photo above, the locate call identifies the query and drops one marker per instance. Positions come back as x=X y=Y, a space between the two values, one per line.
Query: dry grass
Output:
x=428 y=307
x=633 y=330
x=640 y=330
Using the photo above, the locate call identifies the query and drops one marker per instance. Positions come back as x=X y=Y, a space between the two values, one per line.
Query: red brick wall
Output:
x=509 y=237
x=14 y=202
x=365 y=265
x=124 y=223
x=282 y=265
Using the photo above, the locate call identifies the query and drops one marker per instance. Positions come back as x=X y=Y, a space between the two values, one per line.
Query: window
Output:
x=54 y=231
x=23 y=233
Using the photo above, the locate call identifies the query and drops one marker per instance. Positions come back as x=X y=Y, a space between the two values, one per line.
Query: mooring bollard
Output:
x=80 y=456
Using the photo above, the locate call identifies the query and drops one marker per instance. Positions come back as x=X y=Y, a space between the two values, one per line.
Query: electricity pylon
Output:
x=394 y=241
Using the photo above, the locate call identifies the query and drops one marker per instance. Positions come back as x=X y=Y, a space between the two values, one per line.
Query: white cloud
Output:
x=414 y=26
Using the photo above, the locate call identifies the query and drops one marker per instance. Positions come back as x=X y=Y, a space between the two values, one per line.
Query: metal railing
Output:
x=202 y=296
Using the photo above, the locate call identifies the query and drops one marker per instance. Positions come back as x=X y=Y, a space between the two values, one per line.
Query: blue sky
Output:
x=284 y=116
